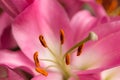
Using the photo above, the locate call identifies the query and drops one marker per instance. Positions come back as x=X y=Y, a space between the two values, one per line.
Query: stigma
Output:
x=61 y=61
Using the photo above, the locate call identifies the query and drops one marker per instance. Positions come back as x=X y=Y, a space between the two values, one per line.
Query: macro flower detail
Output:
x=60 y=60
x=44 y=19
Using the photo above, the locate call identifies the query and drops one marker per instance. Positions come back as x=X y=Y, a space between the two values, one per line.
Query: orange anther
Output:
x=42 y=71
x=67 y=59
x=113 y=5
x=62 y=36
x=99 y=1
x=80 y=49
x=109 y=5
x=42 y=40
x=36 y=59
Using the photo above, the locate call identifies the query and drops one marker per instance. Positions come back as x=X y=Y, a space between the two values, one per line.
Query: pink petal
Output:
x=92 y=76
x=36 y=20
x=13 y=7
x=71 y=6
x=15 y=59
x=106 y=29
x=103 y=54
x=51 y=76
x=81 y=23
x=30 y=1
x=8 y=74
x=24 y=72
x=5 y=21
x=7 y=40
x=98 y=9
x=112 y=74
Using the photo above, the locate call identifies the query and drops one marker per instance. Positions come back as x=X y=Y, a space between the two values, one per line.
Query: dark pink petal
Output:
x=13 y=7
x=24 y=72
x=98 y=9
x=15 y=59
x=6 y=37
x=29 y=1
x=94 y=76
x=7 y=40
x=71 y=6
x=5 y=20
x=7 y=73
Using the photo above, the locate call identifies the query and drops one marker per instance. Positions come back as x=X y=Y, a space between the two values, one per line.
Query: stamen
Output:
x=99 y=1
x=91 y=36
x=62 y=36
x=42 y=40
x=38 y=69
x=112 y=6
x=80 y=49
x=42 y=71
x=109 y=5
x=36 y=59
x=48 y=60
x=67 y=59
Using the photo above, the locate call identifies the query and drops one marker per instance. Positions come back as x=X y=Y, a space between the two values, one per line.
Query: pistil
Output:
x=91 y=36
x=61 y=61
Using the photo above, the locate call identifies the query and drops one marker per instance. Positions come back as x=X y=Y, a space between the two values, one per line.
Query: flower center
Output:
x=61 y=61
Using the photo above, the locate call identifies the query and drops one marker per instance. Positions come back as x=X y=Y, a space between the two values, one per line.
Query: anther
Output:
x=99 y=1
x=113 y=5
x=36 y=59
x=62 y=36
x=80 y=49
x=67 y=59
x=42 y=40
x=42 y=71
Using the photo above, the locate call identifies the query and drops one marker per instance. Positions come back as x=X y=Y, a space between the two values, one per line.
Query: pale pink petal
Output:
x=102 y=30
x=7 y=73
x=103 y=54
x=111 y=74
x=51 y=76
x=36 y=20
x=81 y=23
x=106 y=29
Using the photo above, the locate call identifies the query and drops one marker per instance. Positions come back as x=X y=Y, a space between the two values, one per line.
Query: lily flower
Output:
x=62 y=48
